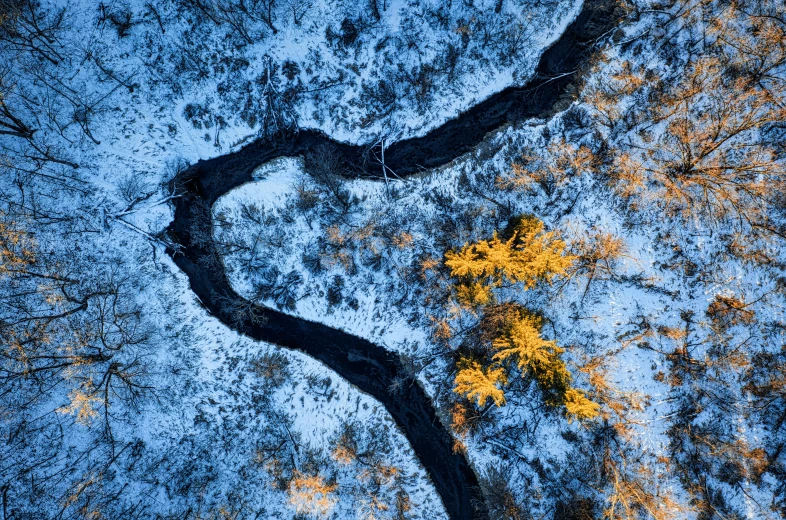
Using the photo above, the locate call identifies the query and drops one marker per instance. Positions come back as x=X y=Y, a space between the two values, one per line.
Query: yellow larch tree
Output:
x=480 y=384
x=474 y=293
x=539 y=255
x=530 y=255
x=523 y=345
x=579 y=407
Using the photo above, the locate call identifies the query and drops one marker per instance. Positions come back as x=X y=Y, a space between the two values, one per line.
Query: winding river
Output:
x=370 y=367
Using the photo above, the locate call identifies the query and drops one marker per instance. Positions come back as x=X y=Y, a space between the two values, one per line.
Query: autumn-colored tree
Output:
x=529 y=256
x=551 y=170
x=709 y=159
x=58 y=328
x=597 y=254
x=83 y=405
x=766 y=386
x=579 y=407
x=378 y=485
x=634 y=492
x=311 y=495
x=17 y=251
x=726 y=311
x=480 y=384
x=462 y=420
x=703 y=147
x=523 y=345
x=604 y=96
x=606 y=392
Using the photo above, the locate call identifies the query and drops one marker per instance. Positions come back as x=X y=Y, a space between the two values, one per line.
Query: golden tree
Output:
x=579 y=407
x=480 y=384
x=529 y=256
x=522 y=343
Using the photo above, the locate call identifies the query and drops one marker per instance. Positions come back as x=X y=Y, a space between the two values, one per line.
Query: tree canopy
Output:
x=529 y=256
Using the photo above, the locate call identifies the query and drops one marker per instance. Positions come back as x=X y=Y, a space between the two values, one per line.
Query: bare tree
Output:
x=10 y=124
x=298 y=9
x=62 y=327
x=26 y=27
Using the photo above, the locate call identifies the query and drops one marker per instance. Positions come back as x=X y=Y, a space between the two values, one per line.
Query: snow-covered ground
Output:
x=172 y=88
x=229 y=419
x=621 y=325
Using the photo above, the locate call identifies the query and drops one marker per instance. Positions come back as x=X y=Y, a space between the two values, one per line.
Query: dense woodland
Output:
x=595 y=301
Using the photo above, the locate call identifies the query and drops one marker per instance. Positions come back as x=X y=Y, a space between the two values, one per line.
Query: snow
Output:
x=603 y=322
x=210 y=409
x=197 y=422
